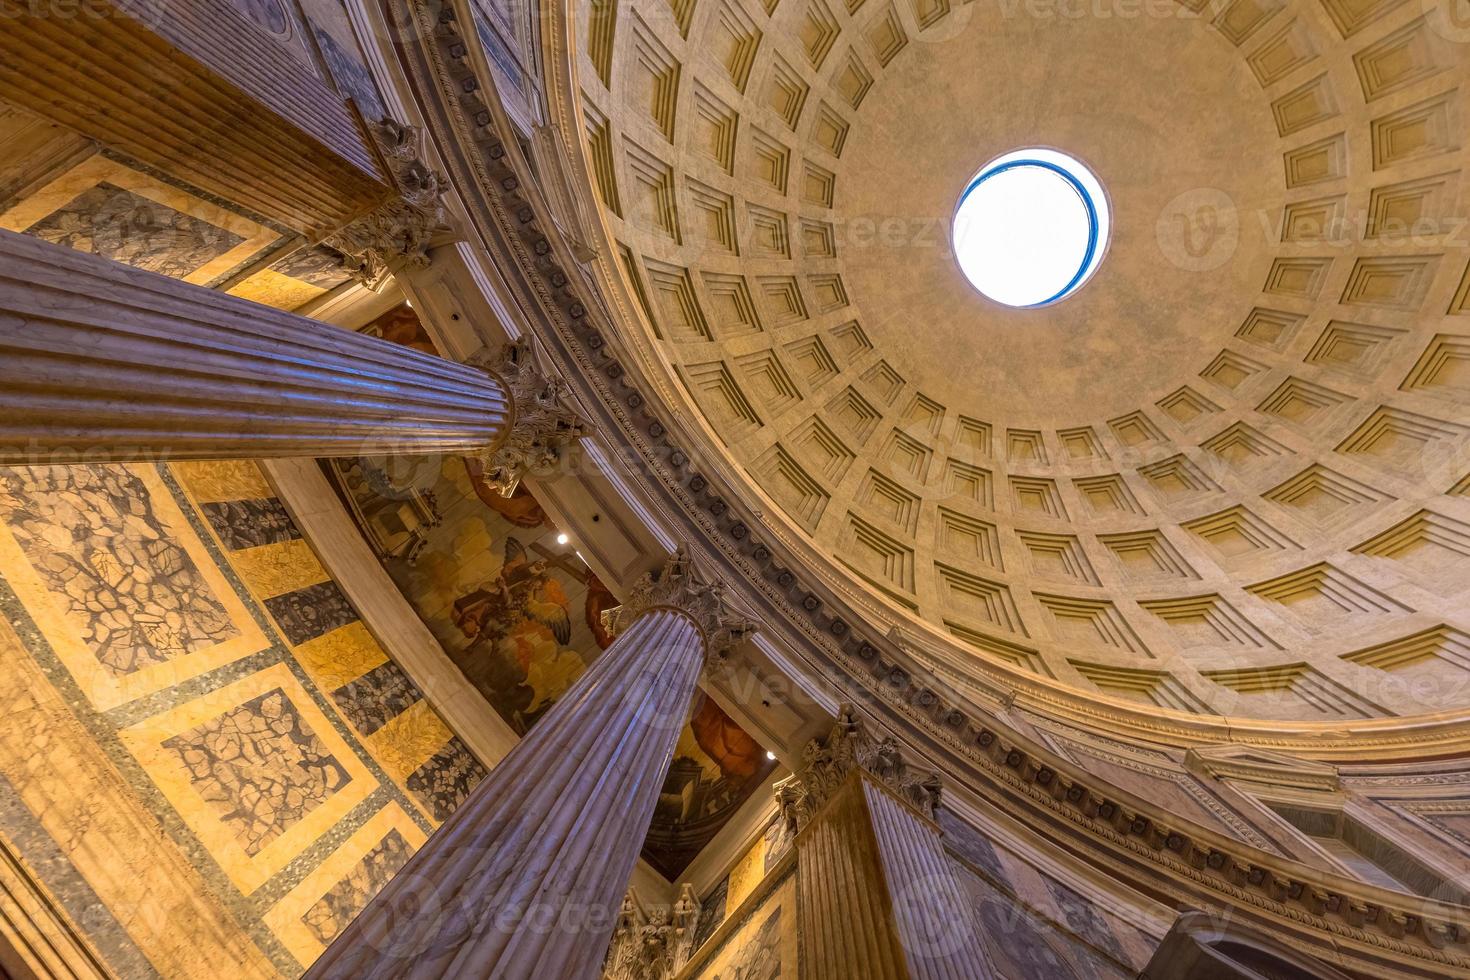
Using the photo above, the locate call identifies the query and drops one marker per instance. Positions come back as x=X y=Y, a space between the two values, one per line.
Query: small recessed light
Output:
x=563 y=539
x=770 y=755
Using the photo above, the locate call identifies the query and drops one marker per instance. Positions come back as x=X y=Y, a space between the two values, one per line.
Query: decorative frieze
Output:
x=542 y=429
x=652 y=942
x=676 y=587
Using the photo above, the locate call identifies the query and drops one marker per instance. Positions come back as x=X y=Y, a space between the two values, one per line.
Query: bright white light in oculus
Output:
x=1031 y=227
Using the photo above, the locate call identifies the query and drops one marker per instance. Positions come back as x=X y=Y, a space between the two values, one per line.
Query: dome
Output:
x=683 y=489
x=1225 y=477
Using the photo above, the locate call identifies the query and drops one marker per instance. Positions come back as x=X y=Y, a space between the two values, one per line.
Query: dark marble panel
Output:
x=1025 y=945
x=498 y=50
x=338 y=907
x=759 y=957
x=318 y=266
x=260 y=767
x=125 y=227
x=970 y=844
x=1083 y=918
x=1019 y=946
x=444 y=781
x=269 y=15
x=250 y=523
x=779 y=838
x=353 y=79
x=376 y=697
x=307 y=613
x=711 y=912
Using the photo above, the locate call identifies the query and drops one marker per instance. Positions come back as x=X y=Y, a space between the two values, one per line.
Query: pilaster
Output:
x=878 y=897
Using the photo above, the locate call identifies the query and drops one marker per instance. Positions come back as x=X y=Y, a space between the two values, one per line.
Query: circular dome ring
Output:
x=1095 y=217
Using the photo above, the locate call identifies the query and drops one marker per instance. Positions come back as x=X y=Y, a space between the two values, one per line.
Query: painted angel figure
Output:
x=522 y=590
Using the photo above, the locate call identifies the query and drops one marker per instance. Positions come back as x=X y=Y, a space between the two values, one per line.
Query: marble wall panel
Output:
x=191 y=669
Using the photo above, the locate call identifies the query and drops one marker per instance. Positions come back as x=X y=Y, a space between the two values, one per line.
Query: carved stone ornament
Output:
x=849 y=746
x=676 y=587
x=542 y=429
x=399 y=232
x=652 y=942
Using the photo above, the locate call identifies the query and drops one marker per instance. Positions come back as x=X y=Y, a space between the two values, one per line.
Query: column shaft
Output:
x=526 y=879
x=196 y=89
x=846 y=919
x=100 y=361
x=932 y=913
x=877 y=894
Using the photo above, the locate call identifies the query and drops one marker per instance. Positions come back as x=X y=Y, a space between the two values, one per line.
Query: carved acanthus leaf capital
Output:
x=652 y=942
x=677 y=587
x=399 y=232
x=850 y=746
x=542 y=428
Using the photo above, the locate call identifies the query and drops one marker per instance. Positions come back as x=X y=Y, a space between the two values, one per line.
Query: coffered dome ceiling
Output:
x=1228 y=476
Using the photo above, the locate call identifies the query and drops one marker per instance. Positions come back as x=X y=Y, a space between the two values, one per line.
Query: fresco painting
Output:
x=520 y=615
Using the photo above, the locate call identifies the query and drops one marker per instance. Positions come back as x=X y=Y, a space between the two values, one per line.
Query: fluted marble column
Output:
x=197 y=90
x=103 y=362
x=526 y=879
x=878 y=898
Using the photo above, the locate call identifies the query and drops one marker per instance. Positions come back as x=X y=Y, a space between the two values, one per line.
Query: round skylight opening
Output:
x=1031 y=227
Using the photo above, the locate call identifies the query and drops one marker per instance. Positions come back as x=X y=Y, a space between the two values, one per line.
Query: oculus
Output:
x=1030 y=227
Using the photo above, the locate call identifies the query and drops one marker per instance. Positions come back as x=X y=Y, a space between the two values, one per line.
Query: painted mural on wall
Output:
x=716 y=767
x=520 y=615
x=249 y=765
x=489 y=580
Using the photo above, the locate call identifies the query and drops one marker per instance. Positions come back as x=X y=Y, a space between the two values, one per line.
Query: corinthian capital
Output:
x=652 y=942
x=851 y=746
x=541 y=428
x=677 y=588
x=398 y=233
